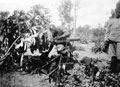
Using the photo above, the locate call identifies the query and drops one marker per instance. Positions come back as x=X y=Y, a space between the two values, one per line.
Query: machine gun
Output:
x=67 y=40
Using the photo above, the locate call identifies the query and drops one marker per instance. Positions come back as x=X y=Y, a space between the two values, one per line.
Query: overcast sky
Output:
x=90 y=12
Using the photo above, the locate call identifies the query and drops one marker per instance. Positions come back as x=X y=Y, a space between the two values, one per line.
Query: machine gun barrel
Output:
x=74 y=39
x=68 y=40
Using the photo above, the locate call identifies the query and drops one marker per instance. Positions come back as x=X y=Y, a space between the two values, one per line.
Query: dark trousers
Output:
x=115 y=65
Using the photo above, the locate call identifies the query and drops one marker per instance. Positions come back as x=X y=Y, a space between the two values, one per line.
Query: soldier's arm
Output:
x=107 y=26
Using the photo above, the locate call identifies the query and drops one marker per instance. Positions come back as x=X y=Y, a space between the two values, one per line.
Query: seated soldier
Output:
x=60 y=34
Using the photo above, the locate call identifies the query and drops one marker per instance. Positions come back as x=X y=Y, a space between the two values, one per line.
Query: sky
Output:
x=90 y=12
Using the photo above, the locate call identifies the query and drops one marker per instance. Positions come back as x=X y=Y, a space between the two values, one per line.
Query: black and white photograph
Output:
x=59 y=43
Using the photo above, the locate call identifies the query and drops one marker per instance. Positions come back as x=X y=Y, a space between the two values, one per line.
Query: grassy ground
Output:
x=88 y=52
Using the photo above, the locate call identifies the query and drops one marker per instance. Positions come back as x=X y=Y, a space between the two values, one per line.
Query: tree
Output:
x=40 y=16
x=16 y=13
x=83 y=32
x=99 y=34
x=4 y=15
x=76 y=6
x=65 y=13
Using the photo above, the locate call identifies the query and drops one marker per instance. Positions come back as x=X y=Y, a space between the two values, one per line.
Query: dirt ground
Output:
x=16 y=79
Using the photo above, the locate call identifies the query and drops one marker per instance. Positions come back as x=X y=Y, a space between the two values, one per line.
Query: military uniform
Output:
x=113 y=35
x=62 y=46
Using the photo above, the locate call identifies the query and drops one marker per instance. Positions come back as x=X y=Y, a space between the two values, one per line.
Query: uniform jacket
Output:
x=113 y=29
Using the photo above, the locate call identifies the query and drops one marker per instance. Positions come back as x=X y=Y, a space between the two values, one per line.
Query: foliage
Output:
x=91 y=35
x=4 y=15
x=81 y=31
x=99 y=33
x=19 y=23
x=84 y=33
x=65 y=12
x=23 y=21
x=39 y=16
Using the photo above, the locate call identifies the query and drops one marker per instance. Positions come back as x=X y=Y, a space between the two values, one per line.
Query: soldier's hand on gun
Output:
x=54 y=40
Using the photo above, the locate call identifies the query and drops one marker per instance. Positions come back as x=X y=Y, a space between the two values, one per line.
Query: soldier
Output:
x=60 y=36
x=60 y=33
x=113 y=37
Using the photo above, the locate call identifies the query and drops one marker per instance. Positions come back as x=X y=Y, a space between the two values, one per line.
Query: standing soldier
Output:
x=113 y=37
